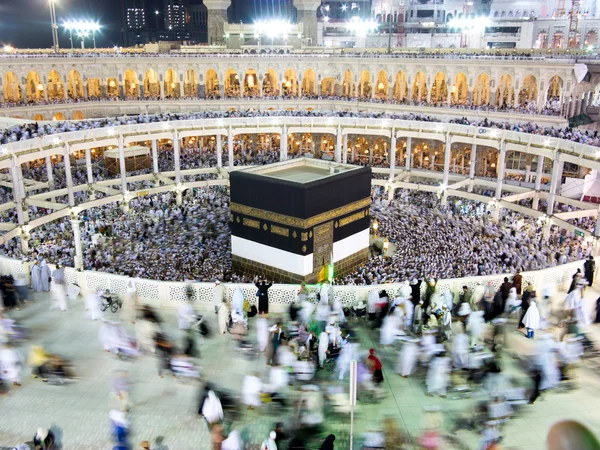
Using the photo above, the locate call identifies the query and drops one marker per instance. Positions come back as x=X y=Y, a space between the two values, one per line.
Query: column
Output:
x=154 y=156
x=88 y=165
x=447 y=155
x=17 y=194
x=345 y=153
x=67 y=161
x=338 y=145
x=24 y=93
x=498 y=196
x=78 y=249
x=216 y=18
x=554 y=183
x=307 y=16
x=408 y=162
x=50 y=173
x=122 y=167
x=230 y=148
x=162 y=90
x=181 y=89
x=219 y=145
x=177 y=161
x=393 y=155
x=283 y=144
x=538 y=182
x=472 y=162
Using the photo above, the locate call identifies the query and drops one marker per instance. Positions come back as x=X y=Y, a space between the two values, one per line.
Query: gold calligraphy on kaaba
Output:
x=280 y=231
x=352 y=218
x=251 y=223
x=296 y=222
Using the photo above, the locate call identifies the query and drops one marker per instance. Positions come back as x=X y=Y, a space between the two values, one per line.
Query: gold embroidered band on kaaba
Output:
x=300 y=223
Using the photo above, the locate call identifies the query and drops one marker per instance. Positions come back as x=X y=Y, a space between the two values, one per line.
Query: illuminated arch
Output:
x=131 y=85
x=172 y=86
x=251 y=84
x=400 y=93
x=190 y=83
x=78 y=115
x=329 y=87
x=439 y=89
x=459 y=94
x=348 y=88
x=289 y=85
x=270 y=84
x=38 y=117
x=481 y=90
x=364 y=85
x=56 y=90
x=232 y=84
x=309 y=83
x=93 y=88
x=505 y=92
x=382 y=86
x=34 y=88
x=12 y=88
x=555 y=87
x=211 y=85
x=419 y=88
x=151 y=84
x=74 y=85
x=58 y=116
x=112 y=88
x=529 y=90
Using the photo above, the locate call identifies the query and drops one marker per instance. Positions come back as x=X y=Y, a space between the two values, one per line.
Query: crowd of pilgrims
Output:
x=32 y=130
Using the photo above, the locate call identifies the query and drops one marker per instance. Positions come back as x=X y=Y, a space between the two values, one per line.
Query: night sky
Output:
x=26 y=23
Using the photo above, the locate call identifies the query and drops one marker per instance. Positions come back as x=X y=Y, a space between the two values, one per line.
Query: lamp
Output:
x=375 y=228
x=386 y=246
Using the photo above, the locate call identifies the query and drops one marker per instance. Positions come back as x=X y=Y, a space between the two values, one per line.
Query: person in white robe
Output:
x=438 y=376
x=478 y=293
x=323 y=346
x=73 y=293
x=546 y=361
x=428 y=345
x=11 y=364
x=218 y=295
x=460 y=351
x=262 y=333
x=324 y=293
x=448 y=299
x=476 y=327
x=372 y=301
x=59 y=298
x=338 y=311
x=512 y=303
x=233 y=442
x=36 y=281
x=93 y=303
x=27 y=271
x=390 y=329
x=576 y=307
x=185 y=316
x=144 y=335
x=322 y=314
x=130 y=302
x=269 y=443
x=223 y=316
x=237 y=301
x=407 y=358
x=347 y=354
x=405 y=290
x=409 y=309
x=45 y=276
x=251 y=389
x=335 y=335
x=531 y=320
x=212 y=409
x=446 y=325
x=108 y=335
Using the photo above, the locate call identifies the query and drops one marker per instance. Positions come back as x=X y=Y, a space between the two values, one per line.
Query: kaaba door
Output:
x=323 y=249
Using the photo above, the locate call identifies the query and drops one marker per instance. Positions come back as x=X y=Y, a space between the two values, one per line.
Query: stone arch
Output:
x=270 y=84
x=505 y=92
x=459 y=94
x=75 y=85
x=419 y=88
x=481 y=90
x=400 y=93
x=151 y=84
x=558 y=40
x=529 y=90
x=542 y=40
x=212 y=89
x=348 y=88
x=58 y=116
x=251 y=84
x=78 y=115
x=591 y=38
x=555 y=87
x=232 y=84
x=289 y=85
x=112 y=88
x=93 y=88
x=38 y=117
x=171 y=84
x=190 y=83
x=330 y=87
x=56 y=90
x=364 y=85
x=131 y=86
x=439 y=89
x=382 y=89
x=12 y=88
x=309 y=83
x=34 y=87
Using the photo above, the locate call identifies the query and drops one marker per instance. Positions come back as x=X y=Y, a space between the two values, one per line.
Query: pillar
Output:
x=162 y=90
x=283 y=144
x=307 y=15
x=472 y=162
x=18 y=195
x=538 y=182
x=122 y=167
x=345 y=153
x=393 y=155
x=557 y=167
x=230 y=148
x=338 y=145
x=217 y=17
x=219 y=145
x=408 y=162
x=78 y=248
x=447 y=155
x=155 y=156
x=50 y=173
x=24 y=93
x=500 y=180
x=177 y=161
x=88 y=165
x=68 y=175
x=181 y=89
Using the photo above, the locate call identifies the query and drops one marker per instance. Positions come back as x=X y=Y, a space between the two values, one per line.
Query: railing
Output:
x=163 y=294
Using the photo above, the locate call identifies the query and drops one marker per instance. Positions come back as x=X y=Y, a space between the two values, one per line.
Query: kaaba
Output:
x=291 y=221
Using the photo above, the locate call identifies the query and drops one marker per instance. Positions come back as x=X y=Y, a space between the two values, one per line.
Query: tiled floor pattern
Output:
x=167 y=407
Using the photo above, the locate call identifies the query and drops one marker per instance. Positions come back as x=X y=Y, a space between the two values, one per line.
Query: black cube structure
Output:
x=291 y=220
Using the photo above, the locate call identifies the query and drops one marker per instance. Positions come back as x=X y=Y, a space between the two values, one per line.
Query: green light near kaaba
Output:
x=330 y=272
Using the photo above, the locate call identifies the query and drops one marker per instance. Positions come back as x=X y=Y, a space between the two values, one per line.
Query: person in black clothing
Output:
x=263 y=295
x=505 y=289
x=597 y=310
x=164 y=352
x=328 y=443
x=589 y=267
x=525 y=304
x=415 y=287
x=576 y=278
